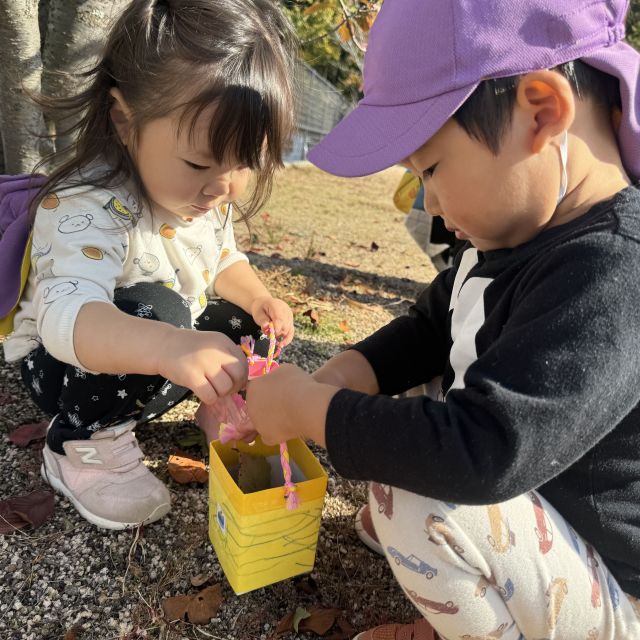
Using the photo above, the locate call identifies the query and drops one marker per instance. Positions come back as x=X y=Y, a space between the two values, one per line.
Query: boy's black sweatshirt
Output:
x=539 y=349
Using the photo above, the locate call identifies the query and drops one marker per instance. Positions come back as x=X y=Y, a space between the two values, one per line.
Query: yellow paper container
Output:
x=257 y=539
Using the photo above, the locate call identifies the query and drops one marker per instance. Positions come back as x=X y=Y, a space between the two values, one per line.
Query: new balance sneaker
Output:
x=105 y=479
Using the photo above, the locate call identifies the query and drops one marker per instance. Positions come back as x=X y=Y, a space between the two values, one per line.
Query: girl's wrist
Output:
x=258 y=301
x=165 y=336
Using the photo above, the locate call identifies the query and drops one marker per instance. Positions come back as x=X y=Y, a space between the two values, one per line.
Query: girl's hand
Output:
x=207 y=362
x=266 y=309
x=288 y=403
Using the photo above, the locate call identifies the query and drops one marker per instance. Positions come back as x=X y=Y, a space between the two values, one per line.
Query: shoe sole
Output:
x=365 y=538
x=57 y=485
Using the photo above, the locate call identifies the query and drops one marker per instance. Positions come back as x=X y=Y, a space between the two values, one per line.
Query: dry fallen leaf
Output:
x=299 y=615
x=361 y=305
x=319 y=620
x=72 y=633
x=286 y=624
x=32 y=509
x=343 y=325
x=344 y=632
x=175 y=607
x=199 y=580
x=197 y=608
x=184 y=469
x=313 y=316
x=25 y=434
x=365 y=22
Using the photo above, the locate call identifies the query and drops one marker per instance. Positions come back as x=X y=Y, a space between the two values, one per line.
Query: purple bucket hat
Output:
x=425 y=58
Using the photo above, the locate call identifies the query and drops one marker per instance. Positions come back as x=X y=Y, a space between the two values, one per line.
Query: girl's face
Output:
x=177 y=169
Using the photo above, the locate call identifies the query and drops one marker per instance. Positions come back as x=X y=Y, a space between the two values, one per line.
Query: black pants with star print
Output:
x=83 y=403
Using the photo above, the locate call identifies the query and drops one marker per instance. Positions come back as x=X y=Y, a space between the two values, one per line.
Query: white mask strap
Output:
x=564 y=152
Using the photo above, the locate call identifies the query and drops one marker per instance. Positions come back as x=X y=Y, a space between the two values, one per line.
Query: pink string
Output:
x=236 y=421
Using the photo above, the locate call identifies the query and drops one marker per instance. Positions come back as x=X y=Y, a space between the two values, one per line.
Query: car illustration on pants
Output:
x=432 y=606
x=383 y=494
x=413 y=563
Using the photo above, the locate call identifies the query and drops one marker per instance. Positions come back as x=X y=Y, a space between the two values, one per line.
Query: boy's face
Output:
x=179 y=173
x=493 y=201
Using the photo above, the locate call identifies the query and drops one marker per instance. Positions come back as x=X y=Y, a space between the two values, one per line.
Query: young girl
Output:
x=507 y=505
x=137 y=295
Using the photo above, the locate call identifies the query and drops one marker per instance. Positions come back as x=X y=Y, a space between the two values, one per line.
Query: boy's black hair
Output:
x=486 y=114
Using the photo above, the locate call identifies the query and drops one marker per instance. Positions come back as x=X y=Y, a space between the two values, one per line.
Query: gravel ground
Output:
x=327 y=245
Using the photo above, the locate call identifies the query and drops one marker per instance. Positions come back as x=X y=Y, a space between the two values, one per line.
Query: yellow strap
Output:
x=6 y=323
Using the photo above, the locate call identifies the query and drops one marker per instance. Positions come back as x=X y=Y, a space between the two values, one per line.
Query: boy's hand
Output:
x=288 y=403
x=266 y=309
x=207 y=362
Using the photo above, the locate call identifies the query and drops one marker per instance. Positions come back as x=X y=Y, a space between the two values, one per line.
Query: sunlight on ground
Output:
x=347 y=222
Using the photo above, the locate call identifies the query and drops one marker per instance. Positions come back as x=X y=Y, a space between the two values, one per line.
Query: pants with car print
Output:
x=84 y=403
x=515 y=570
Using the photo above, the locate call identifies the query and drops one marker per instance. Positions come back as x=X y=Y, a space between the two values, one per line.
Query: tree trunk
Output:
x=21 y=121
x=76 y=31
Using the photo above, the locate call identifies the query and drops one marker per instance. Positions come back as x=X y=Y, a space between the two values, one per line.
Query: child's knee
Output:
x=154 y=301
x=457 y=532
x=392 y=504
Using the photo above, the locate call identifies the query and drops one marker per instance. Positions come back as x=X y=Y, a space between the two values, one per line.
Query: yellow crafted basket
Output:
x=257 y=539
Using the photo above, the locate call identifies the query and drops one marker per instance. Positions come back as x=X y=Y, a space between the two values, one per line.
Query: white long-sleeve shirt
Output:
x=90 y=241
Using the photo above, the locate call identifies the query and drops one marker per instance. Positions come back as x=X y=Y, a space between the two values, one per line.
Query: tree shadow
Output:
x=331 y=278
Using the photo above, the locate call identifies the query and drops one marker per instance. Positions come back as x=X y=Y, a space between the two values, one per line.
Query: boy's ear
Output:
x=549 y=100
x=121 y=116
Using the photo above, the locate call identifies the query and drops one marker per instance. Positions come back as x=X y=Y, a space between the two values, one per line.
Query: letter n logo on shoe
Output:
x=89 y=456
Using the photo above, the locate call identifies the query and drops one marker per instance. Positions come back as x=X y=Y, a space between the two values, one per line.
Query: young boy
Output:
x=508 y=507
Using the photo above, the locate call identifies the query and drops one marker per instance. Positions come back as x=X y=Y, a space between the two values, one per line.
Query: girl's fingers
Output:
x=238 y=373
x=261 y=318
x=206 y=392
x=221 y=382
x=288 y=337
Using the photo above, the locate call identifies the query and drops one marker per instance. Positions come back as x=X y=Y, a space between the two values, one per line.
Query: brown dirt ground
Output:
x=333 y=246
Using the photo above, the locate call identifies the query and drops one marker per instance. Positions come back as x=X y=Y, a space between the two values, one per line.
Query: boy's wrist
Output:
x=310 y=410
x=348 y=370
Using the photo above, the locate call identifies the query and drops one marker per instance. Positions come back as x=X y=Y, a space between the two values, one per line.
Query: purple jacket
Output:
x=16 y=193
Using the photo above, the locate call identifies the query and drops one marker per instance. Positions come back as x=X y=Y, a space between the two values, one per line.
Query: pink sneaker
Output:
x=105 y=479
x=419 y=630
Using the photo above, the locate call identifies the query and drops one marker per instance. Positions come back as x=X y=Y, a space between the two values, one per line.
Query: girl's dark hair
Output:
x=486 y=114
x=183 y=56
